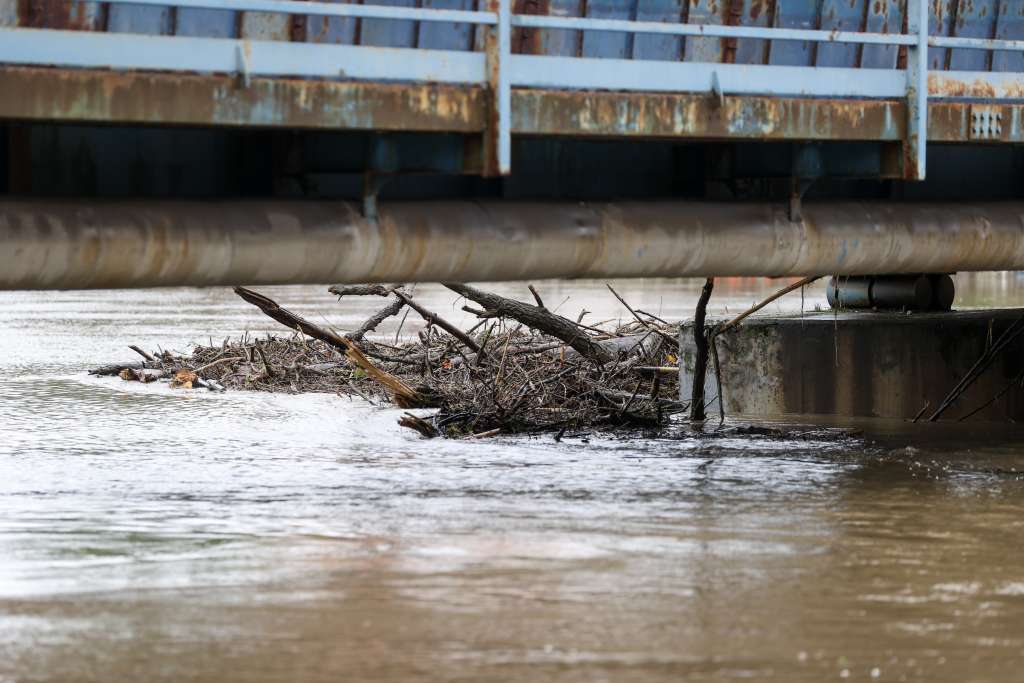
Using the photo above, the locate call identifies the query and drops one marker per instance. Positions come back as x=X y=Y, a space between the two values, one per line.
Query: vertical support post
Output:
x=497 y=136
x=914 y=154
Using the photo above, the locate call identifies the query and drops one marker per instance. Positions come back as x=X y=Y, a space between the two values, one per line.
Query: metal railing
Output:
x=498 y=69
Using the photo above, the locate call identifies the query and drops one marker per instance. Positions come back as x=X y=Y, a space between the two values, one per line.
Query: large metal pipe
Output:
x=92 y=244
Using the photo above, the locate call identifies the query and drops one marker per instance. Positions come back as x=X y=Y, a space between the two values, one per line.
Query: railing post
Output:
x=498 y=137
x=915 y=147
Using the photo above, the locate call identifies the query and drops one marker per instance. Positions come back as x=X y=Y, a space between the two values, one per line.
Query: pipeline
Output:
x=78 y=244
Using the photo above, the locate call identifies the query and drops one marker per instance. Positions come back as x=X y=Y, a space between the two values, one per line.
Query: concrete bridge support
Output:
x=865 y=364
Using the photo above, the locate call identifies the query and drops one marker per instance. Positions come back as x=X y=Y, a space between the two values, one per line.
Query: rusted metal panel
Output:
x=701 y=117
x=206 y=23
x=1009 y=26
x=840 y=15
x=171 y=243
x=801 y=14
x=150 y=98
x=940 y=23
x=883 y=16
x=706 y=12
x=557 y=42
x=388 y=32
x=664 y=48
x=974 y=19
x=608 y=44
x=140 y=19
x=334 y=30
x=754 y=13
x=265 y=26
x=63 y=14
x=443 y=35
x=941 y=84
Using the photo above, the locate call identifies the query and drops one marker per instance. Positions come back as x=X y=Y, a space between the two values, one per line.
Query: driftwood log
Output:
x=538 y=318
x=404 y=395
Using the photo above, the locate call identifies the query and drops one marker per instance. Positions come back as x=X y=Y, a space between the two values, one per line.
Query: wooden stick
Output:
x=142 y=353
x=217 y=362
x=376 y=319
x=700 y=363
x=404 y=395
x=757 y=307
x=538 y=318
x=435 y=319
x=670 y=340
x=536 y=296
x=657 y=369
x=361 y=290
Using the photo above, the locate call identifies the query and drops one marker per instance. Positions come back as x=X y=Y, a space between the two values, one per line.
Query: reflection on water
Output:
x=150 y=535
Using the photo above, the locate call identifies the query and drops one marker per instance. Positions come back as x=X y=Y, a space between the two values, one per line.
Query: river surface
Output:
x=148 y=534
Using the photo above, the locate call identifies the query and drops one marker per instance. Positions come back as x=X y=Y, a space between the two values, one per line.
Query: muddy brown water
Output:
x=155 y=535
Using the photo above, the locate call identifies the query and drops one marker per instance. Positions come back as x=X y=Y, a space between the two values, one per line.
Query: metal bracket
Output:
x=716 y=89
x=242 y=53
x=986 y=123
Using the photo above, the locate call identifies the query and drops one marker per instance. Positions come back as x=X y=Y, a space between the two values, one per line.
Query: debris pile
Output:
x=521 y=369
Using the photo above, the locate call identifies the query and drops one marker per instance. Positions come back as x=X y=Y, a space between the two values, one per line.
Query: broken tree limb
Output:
x=538 y=318
x=757 y=307
x=437 y=320
x=536 y=297
x=647 y=325
x=376 y=319
x=404 y=395
x=979 y=367
x=361 y=290
x=700 y=363
x=142 y=353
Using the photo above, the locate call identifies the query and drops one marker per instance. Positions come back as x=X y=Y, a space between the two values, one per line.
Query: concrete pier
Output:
x=862 y=364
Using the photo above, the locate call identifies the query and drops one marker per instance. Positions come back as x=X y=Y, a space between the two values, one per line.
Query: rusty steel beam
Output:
x=175 y=99
x=166 y=99
x=80 y=244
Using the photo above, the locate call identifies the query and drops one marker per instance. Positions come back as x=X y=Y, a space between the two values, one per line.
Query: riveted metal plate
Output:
x=986 y=123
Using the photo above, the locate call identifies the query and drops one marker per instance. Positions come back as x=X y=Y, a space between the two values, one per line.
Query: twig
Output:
x=1009 y=385
x=657 y=369
x=361 y=290
x=203 y=368
x=435 y=319
x=404 y=394
x=670 y=340
x=142 y=353
x=536 y=296
x=651 y=315
x=757 y=307
x=376 y=319
x=979 y=367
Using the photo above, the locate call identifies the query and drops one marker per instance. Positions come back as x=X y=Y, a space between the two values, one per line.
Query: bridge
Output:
x=269 y=141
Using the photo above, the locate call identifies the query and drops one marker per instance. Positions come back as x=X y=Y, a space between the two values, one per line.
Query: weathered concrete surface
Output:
x=863 y=364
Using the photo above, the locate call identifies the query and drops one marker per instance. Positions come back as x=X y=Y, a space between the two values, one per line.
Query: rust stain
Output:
x=63 y=15
x=943 y=86
x=151 y=98
x=528 y=40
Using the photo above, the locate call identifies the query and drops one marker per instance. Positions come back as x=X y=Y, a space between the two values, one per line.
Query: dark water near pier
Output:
x=154 y=535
